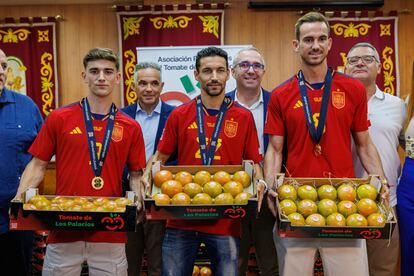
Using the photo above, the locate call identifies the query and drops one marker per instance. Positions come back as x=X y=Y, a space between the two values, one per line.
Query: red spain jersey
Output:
x=237 y=142
x=347 y=113
x=64 y=134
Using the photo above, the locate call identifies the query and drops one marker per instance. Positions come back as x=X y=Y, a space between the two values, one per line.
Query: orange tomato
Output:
x=233 y=187
x=196 y=271
x=181 y=199
x=192 y=189
x=183 y=177
x=161 y=199
x=242 y=177
x=222 y=177
x=205 y=271
x=202 y=177
x=162 y=176
x=171 y=187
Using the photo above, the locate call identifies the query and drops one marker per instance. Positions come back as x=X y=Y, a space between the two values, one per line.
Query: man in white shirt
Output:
x=148 y=111
x=386 y=114
x=248 y=70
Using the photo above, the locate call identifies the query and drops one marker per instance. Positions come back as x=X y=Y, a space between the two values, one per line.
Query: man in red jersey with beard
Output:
x=317 y=110
x=210 y=130
x=92 y=142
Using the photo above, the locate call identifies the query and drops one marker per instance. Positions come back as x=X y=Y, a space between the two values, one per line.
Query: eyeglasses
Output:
x=245 y=66
x=365 y=59
x=153 y=84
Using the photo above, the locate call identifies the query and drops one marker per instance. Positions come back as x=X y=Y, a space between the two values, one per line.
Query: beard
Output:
x=214 y=93
x=313 y=62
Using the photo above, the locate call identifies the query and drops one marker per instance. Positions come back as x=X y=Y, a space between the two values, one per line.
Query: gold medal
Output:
x=318 y=150
x=97 y=183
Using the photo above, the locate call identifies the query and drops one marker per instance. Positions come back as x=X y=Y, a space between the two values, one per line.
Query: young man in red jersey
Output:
x=317 y=110
x=92 y=143
x=210 y=130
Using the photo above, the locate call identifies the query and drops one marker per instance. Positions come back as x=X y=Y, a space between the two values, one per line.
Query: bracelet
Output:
x=262 y=181
x=384 y=182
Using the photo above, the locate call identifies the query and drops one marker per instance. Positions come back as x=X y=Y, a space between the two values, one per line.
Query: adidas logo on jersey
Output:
x=76 y=130
x=298 y=104
x=193 y=126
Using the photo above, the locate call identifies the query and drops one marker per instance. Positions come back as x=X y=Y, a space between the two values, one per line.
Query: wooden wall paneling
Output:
x=84 y=27
x=87 y=26
x=405 y=41
x=266 y=30
x=71 y=53
x=283 y=61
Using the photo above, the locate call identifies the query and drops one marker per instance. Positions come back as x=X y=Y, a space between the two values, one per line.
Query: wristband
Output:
x=384 y=182
x=262 y=181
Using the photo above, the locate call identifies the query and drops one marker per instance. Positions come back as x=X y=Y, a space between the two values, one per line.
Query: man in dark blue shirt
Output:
x=248 y=71
x=20 y=121
x=148 y=111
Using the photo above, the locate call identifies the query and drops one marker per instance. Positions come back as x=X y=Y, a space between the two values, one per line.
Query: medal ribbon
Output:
x=97 y=164
x=316 y=134
x=208 y=157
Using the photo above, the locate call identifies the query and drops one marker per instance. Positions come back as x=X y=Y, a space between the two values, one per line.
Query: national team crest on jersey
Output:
x=117 y=133
x=338 y=99
x=230 y=128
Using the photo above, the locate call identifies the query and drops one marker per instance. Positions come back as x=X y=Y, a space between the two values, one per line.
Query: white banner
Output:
x=178 y=65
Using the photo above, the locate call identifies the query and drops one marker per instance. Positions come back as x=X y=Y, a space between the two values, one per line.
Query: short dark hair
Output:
x=310 y=17
x=101 y=53
x=211 y=52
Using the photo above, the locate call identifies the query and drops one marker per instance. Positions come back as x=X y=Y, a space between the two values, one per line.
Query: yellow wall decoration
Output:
x=131 y=60
x=170 y=22
x=46 y=72
x=388 y=67
x=210 y=24
x=351 y=30
x=385 y=29
x=131 y=26
x=43 y=36
x=341 y=68
x=14 y=36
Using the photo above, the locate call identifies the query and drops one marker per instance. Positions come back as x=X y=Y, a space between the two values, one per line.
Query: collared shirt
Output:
x=20 y=121
x=149 y=125
x=386 y=114
x=257 y=110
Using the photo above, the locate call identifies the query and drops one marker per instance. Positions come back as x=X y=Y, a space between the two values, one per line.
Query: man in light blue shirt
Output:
x=20 y=121
x=147 y=122
x=149 y=111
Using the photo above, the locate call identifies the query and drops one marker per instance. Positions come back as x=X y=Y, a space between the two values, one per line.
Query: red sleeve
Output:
x=136 y=154
x=44 y=145
x=274 y=121
x=252 y=146
x=169 y=137
x=360 y=120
